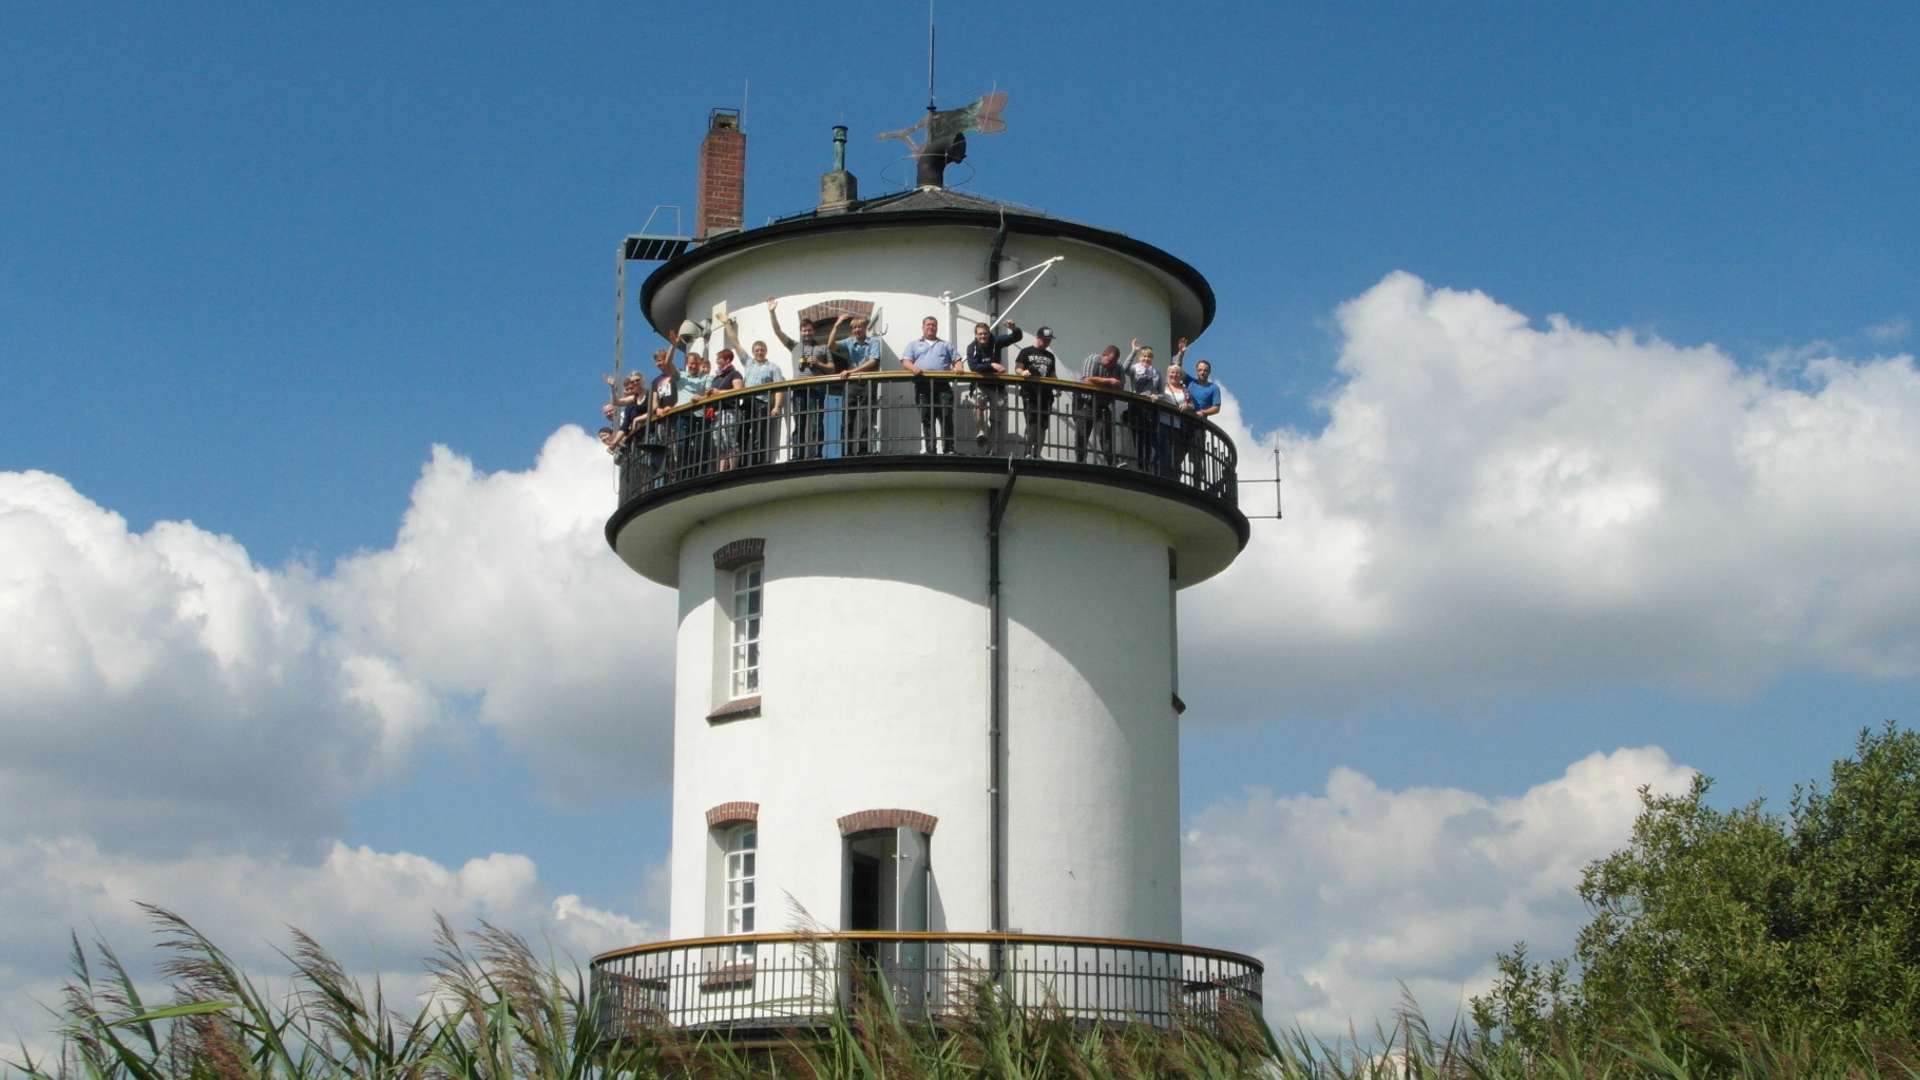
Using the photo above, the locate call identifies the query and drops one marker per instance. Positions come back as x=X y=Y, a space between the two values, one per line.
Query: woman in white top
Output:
x=1177 y=429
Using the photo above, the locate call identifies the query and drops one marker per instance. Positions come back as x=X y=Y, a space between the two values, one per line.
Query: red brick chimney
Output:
x=723 y=175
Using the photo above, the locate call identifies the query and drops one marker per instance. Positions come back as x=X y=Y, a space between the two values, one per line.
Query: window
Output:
x=740 y=845
x=744 y=666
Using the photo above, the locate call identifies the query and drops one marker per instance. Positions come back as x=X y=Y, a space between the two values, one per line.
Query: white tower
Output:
x=926 y=698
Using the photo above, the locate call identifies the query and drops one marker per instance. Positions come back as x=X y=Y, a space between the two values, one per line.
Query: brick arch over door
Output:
x=866 y=820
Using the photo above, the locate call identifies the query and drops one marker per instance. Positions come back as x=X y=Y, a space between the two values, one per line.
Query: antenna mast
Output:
x=930 y=44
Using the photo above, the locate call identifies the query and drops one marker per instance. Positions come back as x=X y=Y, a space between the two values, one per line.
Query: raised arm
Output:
x=1007 y=337
x=827 y=361
x=773 y=316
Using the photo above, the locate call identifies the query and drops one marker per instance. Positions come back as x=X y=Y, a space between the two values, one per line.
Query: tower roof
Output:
x=663 y=297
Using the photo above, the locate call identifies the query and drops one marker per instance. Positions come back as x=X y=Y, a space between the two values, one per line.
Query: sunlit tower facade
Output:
x=927 y=697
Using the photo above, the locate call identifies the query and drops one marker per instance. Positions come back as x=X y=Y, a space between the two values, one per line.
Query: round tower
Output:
x=927 y=684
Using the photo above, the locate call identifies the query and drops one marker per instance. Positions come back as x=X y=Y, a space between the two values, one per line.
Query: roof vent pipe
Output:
x=838 y=189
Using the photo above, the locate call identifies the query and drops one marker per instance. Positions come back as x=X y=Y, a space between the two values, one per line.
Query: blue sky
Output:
x=256 y=262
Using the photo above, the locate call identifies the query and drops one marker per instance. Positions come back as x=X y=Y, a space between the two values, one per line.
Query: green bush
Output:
x=1725 y=928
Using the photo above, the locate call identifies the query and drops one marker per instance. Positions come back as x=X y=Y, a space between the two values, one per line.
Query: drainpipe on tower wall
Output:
x=996 y=717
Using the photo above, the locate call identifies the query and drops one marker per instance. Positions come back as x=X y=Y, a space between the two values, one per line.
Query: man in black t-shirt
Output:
x=1037 y=361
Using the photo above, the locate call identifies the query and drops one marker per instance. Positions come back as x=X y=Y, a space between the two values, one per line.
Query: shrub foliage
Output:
x=1744 y=920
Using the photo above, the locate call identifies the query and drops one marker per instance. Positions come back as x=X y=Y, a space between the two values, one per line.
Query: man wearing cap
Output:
x=1037 y=362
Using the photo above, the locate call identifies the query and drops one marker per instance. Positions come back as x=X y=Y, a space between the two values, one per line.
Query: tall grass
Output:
x=496 y=1011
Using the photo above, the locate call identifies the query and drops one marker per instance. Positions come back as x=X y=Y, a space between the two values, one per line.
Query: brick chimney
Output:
x=722 y=201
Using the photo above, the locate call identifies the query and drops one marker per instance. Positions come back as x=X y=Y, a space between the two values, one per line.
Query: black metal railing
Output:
x=758 y=981
x=897 y=414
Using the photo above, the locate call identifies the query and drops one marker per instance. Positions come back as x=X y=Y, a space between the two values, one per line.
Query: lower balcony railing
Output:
x=760 y=981
x=897 y=414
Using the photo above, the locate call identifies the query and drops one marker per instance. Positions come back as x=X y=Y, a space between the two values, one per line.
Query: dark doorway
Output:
x=886 y=880
x=863 y=889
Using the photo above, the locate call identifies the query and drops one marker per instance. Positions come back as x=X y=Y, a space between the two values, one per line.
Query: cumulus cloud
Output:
x=1350 y=894
x=161 y=688
x=1495 y=507
x=501 y=587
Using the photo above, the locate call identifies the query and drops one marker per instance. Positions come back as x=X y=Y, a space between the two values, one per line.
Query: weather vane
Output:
x=946 y=139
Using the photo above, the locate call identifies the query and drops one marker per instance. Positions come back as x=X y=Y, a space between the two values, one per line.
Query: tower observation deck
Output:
x=926 y=706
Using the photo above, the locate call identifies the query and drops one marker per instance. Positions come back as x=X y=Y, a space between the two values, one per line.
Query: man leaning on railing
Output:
x=929 y=355
x=1093 y=413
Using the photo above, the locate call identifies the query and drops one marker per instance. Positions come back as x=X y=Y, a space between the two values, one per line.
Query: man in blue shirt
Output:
x=757 y=422
x=861 y=356
x=931 y=360
x=1206 y=392
x=1206 y=402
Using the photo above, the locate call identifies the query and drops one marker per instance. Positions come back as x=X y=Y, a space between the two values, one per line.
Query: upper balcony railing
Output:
x=877 y=419
x=755 y=982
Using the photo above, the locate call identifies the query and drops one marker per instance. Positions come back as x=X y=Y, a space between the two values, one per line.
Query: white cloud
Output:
x=1350 y=894
x=1894 y=329
x=1497 y=508
x=502 y=587
x=161 y=689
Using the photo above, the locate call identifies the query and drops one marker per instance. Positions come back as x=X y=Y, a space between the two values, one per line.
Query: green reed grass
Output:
x=497 y=1011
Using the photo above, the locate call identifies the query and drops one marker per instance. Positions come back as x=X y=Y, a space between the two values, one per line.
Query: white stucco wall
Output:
x=875 y=670
x=1094 y=299
x=874 y=689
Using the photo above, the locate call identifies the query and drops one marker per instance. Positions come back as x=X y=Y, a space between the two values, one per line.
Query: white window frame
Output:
x=747 y=609
x=739 y=866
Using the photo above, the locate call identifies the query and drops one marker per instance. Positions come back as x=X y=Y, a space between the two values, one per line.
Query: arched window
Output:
x=739 y=845
x=743 y=667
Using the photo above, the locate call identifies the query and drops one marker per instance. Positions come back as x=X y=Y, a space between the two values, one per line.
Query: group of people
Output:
x=741 y=429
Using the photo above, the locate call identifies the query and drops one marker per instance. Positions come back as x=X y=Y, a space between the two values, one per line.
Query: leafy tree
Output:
x=1809 y=921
